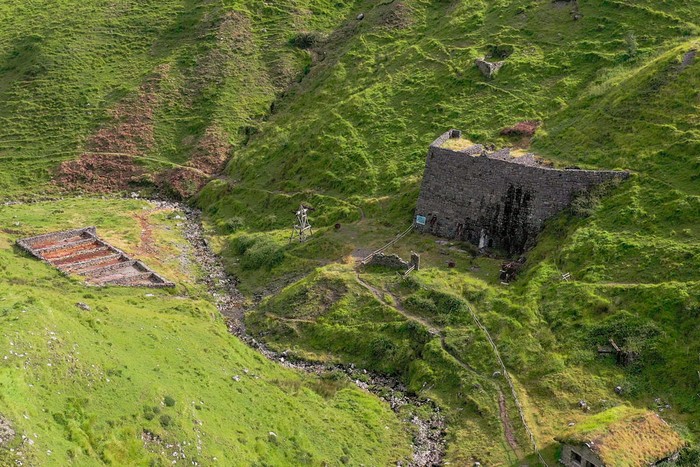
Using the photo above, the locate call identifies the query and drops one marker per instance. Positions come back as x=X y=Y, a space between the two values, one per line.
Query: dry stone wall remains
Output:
x=388 y=261
x=495 y=200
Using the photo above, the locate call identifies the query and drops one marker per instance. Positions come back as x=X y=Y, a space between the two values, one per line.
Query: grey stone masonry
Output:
x=496 y=200
x=388 y=261
x=579 y=456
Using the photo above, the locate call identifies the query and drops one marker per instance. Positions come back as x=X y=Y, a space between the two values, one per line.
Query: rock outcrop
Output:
x=488 y=69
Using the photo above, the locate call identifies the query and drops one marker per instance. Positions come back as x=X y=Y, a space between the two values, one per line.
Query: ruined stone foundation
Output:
x=495 y=199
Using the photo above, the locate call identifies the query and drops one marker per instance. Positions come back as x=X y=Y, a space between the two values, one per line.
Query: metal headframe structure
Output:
x=302 y=228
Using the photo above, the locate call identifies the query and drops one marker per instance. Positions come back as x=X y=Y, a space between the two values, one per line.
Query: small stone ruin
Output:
x=394 y=261
x=82 y=252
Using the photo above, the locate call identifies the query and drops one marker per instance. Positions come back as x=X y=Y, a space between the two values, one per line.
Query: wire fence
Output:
x=533 y=442
x=396 y=239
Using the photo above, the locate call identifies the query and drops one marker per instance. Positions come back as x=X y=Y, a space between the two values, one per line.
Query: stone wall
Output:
x=388 y=261
x=570 y=456
x=495 y=200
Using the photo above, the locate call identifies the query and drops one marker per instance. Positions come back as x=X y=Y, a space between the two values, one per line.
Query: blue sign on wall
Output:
x=420 y=220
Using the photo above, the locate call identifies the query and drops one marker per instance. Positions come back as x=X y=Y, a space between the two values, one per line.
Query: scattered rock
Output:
x=83 y=306
x=272 y=437
x=429 y=437
x=583 y=405
x=488 y=69
x=496 y=374
x=7 y=434
x=618 y=389
x=360 y=17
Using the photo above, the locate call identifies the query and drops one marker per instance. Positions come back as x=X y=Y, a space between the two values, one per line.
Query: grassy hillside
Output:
x=313 y=105
x=148 y=377
x=612 y=90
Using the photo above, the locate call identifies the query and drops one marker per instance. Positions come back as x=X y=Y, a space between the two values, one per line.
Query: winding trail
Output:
x=507 y=425
x=434 y=331
x=439 y=332
x=379 y=295
x=429 y=437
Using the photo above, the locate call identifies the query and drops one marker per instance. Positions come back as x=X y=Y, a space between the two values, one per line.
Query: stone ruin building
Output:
x=620 y=436
x=494 y=199
x=82 y=252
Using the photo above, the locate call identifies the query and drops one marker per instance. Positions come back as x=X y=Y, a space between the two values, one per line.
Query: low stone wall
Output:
x=388 y=261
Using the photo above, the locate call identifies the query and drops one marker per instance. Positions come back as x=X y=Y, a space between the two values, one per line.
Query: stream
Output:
x=429 y=435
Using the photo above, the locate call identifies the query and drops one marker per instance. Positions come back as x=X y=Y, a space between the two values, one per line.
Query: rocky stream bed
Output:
x=429 y=434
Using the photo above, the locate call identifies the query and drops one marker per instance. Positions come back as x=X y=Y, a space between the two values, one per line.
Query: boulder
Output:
x=488 y=69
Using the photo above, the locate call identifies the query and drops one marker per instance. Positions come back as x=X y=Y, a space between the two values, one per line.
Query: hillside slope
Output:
x=134 y=376
x=350 y=139
x=251 y=108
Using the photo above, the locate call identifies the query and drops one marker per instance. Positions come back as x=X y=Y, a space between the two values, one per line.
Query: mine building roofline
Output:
x=452 y=141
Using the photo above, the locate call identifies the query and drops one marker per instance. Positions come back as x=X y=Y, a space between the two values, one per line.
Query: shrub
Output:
x=305 y=39
x=165 y=420
x=148 y=413
x=421 y=304
x=241 y=244
x=524 y=128
x=263 y=253
x=169 y=401
x=233 y=224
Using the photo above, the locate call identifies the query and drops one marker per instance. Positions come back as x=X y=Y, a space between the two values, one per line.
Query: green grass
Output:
x=84 y=385
x=344 y=127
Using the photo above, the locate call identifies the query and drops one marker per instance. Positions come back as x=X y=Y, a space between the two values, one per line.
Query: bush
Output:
x=305 y=39
x=241 y=244
x=233 y=224
x=263 y=253
x=169 y=401
x=148 y=413
x=165 y=420
x=421 y=304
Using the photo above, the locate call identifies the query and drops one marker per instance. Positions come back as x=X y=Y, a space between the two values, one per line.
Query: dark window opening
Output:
x=576 y=457
x=590 y=464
